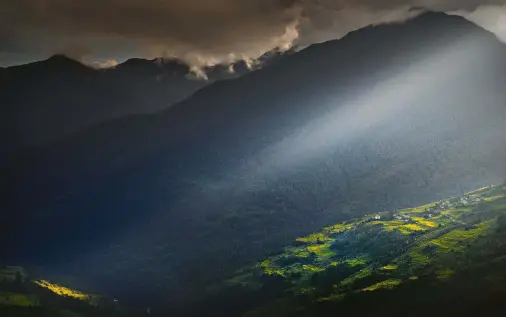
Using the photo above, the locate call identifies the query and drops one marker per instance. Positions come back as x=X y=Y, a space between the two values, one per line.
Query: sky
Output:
x=202 y=32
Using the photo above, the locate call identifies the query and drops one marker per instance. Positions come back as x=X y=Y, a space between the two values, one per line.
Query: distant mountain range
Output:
x=155 y=208
x=49 y=100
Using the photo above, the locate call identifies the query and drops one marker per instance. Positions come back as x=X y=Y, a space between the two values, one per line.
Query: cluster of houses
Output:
x=437 y=208
x=447 y=204
x=406 y=218
x=454 y=203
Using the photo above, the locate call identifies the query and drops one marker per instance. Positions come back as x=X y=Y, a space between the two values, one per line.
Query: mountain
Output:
x=155 y=208
x=49 y=100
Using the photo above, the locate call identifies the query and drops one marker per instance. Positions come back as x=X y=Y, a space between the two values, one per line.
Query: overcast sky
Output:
x=202 y=32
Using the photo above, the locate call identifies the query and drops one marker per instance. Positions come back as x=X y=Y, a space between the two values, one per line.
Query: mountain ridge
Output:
x=67 y=95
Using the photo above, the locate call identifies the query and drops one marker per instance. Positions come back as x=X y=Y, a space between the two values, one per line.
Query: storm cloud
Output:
x=204 y=32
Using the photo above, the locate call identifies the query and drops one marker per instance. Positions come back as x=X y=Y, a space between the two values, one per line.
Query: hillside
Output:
x=390 y=255
x=23 y=295
x=415 y=261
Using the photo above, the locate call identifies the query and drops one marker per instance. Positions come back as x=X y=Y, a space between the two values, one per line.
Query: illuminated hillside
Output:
x=381 y=251
x=22 y=296
x=62 y=290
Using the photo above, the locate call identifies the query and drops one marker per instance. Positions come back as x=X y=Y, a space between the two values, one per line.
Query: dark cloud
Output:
x=199 y=31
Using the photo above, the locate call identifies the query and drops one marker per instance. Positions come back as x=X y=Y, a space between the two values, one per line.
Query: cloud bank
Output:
x=206 y=32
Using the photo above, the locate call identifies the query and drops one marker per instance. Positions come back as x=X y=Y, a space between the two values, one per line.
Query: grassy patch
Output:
x=425 y=222
x=402 y=226
x=356 y=262
x=456 y=240
x=321 y=250
x=493 y=198
x=63 y=291
x=312 y=268
x=388 y=284
x=357 y=276
x=269 y=269
x=301 y=254
x=390 y=267
x=414 y=227
x=314 y=238
x=340 y=227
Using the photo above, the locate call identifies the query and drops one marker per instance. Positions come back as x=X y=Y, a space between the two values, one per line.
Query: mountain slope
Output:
x=346 y=265
x=157 y=207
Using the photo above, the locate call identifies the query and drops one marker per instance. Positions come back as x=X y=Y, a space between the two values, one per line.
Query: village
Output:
x=434 y=210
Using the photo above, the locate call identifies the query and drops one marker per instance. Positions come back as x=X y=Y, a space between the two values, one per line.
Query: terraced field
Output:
x=381 y=251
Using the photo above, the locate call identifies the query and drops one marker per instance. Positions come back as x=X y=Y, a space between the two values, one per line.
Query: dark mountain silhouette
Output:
x=49 y=100
x=156 y=207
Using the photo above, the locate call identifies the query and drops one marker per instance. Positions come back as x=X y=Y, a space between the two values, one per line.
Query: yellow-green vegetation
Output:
x=414 y=227
x=424 y=222
x=301 y=254
x=314 y=238
x=388 y=284
x=267 y=267
x=494 y=198
x=63 y=291
x=356 y=262
x=340 y=227
x=321 y=250
x=403 y=226
x=391 y=247
x=14 y=299
x=390 y=267
x=311 y=268
x=419 y=258
x=455 y=240
x=357 y=276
